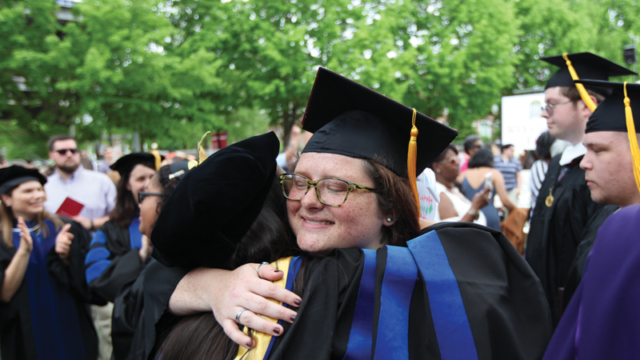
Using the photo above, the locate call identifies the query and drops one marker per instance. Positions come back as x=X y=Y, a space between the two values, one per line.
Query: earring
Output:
x=438 y=170
x=389 y=219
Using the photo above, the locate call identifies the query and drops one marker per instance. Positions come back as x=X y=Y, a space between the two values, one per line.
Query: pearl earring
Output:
x=438 y=170
x=389 y=219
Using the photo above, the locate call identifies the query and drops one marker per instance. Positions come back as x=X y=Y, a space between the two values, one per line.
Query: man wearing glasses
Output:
x=564 y=214
x=92 y=189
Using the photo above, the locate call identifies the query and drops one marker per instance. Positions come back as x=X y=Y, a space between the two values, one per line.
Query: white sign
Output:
x=521 y=120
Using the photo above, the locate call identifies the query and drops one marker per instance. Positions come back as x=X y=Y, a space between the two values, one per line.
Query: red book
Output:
x=69 y=208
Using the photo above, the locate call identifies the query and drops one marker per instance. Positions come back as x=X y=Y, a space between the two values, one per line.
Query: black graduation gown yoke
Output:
x=556 y=231
x=582 y=252
x=17 y=340
x=125 y=265
x=502 y=297
x=139 y=311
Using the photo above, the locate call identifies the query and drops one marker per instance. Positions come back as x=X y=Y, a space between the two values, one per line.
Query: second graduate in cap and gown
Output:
x=601 y=321
x=115 y=256
x=565 y=215
x=43 y=309
x=458 y=290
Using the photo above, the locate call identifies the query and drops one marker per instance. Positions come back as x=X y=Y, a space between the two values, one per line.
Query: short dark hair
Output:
x=61 y=137
x=574 y=95
x=470 y=142
x=505 y=147
x=482 y=157
x=543 y=146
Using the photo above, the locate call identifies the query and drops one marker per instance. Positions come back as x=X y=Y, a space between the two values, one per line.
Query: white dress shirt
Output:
x=571 y=153
x=91 y=188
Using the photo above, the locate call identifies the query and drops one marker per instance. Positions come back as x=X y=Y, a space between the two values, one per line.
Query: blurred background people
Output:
x=42 y=299
x=85 y=161
x=105 y=165
x=472 y=143
x=540 y=166
x=472 y=182
x=453 y=205
x=90 y=188
x=510 y=167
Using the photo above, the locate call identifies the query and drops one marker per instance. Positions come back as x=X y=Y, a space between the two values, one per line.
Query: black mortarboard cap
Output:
x=215 y=204
x=12 y=176
x=125 y=164
x=587 y=65
x=610 y=114
x=349 y=119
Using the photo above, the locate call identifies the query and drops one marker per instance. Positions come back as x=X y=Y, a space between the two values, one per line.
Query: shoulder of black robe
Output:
x=503 y=299
x=125 y=263
x=140 y=312
x=577 y=267
x=557 y=231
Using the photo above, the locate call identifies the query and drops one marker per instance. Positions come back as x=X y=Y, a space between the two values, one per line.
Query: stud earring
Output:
x=389 y=219
x=438 y=170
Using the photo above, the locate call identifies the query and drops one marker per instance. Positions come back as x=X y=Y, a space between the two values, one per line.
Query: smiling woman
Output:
x=40 y=263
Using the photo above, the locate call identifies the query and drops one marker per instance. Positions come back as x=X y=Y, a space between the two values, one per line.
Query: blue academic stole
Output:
x=426 y=255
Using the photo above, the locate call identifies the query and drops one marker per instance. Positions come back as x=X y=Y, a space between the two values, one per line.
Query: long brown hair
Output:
x=7 y=219
x=126 y=206
x=394 y=196
x=269 y=238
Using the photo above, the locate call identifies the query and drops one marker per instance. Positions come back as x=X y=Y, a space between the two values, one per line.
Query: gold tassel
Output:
x=202 y=155
x=633 y=139
x=158 y=158
x=583 y=92
x=412 y=158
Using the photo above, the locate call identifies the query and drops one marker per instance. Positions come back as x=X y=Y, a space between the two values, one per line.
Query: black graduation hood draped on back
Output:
x=610 y=114
x=349 y=119
x=226 y=192
x=12 y=176
x=587 y=66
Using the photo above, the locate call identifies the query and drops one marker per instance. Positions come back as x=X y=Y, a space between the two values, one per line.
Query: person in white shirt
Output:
x=92 y=189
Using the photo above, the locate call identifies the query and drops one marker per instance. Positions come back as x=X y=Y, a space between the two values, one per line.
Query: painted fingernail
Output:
x=293 y=317
x=297 y=301
x=277 y=271
x=276 y=330
x=249 y=344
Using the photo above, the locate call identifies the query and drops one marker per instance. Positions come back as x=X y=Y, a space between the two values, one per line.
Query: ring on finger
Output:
x=239 y=314
x=258 y=269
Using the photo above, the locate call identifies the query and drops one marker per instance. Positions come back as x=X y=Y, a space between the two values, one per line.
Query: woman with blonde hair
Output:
x=43 y=292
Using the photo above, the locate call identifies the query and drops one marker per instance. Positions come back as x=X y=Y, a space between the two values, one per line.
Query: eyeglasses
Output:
x=330 y=191
x=64 y=151
x=549 y=107
x=143 y=194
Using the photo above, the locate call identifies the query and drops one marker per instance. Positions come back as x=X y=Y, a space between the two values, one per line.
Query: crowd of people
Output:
x=353 y=248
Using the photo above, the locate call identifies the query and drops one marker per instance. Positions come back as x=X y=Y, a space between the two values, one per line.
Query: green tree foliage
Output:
x=174 y=69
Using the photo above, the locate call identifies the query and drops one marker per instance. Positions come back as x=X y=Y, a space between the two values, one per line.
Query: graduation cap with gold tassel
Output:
x=616 y=113
x=349 y=119
x=583 y=65
x=126 y=163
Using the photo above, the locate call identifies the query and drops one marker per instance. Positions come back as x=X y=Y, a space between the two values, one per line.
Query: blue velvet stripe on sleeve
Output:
x=97 y=258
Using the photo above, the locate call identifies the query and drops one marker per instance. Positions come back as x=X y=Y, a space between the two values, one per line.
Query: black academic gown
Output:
x=582 y=252
x=113 y=259
x=138 y=314
x=17 y=339
x=499 y=294
x=556 y=231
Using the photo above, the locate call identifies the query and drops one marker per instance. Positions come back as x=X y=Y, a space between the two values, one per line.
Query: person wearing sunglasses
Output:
x=92 y=189
x=564 y=207
x=118 y=251
x=351 y=205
